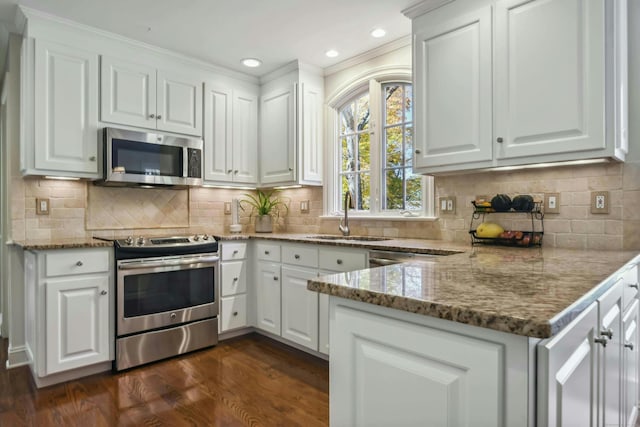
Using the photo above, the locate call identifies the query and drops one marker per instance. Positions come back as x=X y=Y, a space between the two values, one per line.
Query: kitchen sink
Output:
x=356 y=238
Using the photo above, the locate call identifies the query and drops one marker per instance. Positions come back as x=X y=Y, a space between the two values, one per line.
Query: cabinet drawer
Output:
x=305 y=256
x=268 y=252
x=233 y=278
x=342 y=260
x=231 y=251
x=629 y=285
x=68 y=262
x=233 y=312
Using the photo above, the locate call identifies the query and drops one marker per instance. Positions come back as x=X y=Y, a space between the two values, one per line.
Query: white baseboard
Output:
x=17 y=356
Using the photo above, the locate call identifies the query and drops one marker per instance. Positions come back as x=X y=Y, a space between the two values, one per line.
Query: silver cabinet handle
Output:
x=92 y=158
x=290 y=169
x=629 y=345
x=235 y=172
x=418 y=151
x=266 y=252
x=159 y=116
x=633 y=285
x=235 y=252
x=103 y=292
x=229 y=170
x=602 y=341
x=500 y=140
x=339 y=261
x=296 y=256
x=152 y=116
x=79 y=263
x=235 y=279
x=607 y=333
x=235 y=313
x=275 y=278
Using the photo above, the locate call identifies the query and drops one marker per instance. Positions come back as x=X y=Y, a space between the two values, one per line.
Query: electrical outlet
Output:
x=227 y=208
x=599 y=202
x=42 y=206
x=304 y=206
x=551 y=203
x=443 y=204
x=447 y=205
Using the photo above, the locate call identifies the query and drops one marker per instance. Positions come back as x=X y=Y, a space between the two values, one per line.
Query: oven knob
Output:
x=196 y=237
x=129 y=240
x=172 y=316
x=205 y=237
x=140 y=241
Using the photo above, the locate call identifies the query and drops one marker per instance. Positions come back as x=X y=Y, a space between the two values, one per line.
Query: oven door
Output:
x=166 y=291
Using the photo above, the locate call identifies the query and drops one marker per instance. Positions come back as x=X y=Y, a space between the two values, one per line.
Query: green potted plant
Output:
x=266 y=205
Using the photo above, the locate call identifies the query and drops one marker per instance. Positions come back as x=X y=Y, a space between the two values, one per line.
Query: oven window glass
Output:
x=142 y=158
x=167 y=291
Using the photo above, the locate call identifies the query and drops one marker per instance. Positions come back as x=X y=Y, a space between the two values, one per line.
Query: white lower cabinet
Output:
x=70 y=311
x=233 y=286
x=630 y=365
x=268 y=297
x=299 y=307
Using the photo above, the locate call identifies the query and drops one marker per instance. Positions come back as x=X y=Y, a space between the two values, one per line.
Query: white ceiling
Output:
x=225 y=31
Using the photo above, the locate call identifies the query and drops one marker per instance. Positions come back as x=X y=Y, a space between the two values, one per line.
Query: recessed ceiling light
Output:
x=378 y=32
x=251 y=62
x=331 y=53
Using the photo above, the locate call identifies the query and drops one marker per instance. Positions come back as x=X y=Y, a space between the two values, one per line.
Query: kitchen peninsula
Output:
x=490 y=337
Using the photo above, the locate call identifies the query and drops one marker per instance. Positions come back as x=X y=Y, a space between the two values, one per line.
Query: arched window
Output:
x=373 y=152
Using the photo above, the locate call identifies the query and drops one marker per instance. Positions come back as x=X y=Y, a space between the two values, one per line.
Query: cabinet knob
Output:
x=602 y=341
x=500 y=140
x=103 y=292
x=235 y=172
x=418 y=151
x=275 y=278
x=290 y=169
x=152 y=116
x=266 y=252
x=235 y=313
x=172 y=316
x=296 y=256
x=92 y=158
x=339 y=261
x=633 y=285
x=235 y=252
x=79 y=263
x=629 y=345
x=229 y=170
x=159 y=116
x=607 y=333
x=235 y=279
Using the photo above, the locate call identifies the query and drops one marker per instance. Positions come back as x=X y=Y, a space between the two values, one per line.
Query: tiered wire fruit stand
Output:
x=523 y=238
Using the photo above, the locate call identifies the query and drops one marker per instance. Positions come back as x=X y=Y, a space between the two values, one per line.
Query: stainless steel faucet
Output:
x=348 y=204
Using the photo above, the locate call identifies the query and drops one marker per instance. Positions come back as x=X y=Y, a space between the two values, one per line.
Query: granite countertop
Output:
x=525 y=291
x=42 y=245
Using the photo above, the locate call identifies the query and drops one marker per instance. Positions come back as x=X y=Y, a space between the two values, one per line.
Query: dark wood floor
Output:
x=246 y=381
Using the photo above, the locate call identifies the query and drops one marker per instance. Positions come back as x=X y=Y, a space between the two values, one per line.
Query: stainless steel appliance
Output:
x=145 y=159
x=167 y=297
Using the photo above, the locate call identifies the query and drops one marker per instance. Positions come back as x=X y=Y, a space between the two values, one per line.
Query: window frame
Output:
x=333 y=205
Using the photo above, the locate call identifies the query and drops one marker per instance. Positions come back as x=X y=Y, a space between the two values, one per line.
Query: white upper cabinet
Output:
x=143 y=96
x=513 y=82
x=291 y=120
x=230 y=134
x=59 y=110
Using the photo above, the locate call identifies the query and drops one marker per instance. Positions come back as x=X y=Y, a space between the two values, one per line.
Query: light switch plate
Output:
x=551 y=203
x=42 y=206
x=304 y=206
x=227 y=208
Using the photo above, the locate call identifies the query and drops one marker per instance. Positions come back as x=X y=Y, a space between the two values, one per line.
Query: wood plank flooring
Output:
x=246 y=381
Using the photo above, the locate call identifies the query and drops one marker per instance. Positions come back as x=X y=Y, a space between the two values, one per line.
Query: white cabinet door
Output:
x=233 y=278
x=311 y=123
x=567 y=374
x=245 y=137
x=323 y=323
x=278 y=136
x=299 y=307
x=218 y=149
x=66 y=108
x=630 y=366
x=77 y=313
x=394 y=373
x=549 y=76
x=609 y=374
x=268 y=297
x=179 y=103
x=128 y=93
x=453 y=104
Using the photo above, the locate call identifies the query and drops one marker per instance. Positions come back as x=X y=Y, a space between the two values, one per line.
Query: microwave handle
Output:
x=185 y=162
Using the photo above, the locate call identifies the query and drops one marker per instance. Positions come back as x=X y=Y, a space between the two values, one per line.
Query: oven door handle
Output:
x=167 y=262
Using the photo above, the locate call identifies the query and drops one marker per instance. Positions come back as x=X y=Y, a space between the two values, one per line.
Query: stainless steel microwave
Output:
x=146 y=159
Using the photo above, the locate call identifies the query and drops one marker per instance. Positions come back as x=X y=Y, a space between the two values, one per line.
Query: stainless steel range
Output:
x=167 y=297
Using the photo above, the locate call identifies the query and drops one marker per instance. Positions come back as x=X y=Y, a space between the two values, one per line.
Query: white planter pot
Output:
x=264 y=224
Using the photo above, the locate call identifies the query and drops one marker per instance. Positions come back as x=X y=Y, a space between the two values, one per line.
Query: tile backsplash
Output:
x=78 y=209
